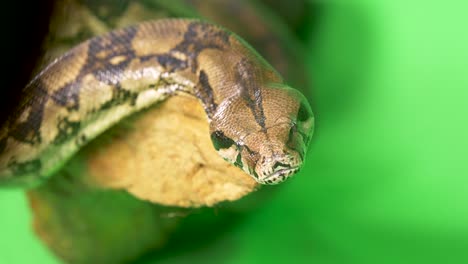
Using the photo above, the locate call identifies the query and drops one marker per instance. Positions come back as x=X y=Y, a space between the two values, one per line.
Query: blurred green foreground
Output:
x=386 y=180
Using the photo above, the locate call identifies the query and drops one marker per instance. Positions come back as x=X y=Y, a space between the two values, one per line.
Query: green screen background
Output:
x=386 y=176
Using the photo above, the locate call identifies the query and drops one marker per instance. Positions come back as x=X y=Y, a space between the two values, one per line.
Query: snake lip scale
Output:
x=280 y=175
x=257 y=122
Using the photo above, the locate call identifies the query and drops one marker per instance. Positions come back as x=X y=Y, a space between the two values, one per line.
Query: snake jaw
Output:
x=276 y=169
x=279 y=176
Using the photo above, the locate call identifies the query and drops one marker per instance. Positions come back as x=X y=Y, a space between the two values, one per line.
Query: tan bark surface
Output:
x=164 y=156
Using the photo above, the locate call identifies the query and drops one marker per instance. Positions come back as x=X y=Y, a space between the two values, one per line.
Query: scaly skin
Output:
x=257 y=122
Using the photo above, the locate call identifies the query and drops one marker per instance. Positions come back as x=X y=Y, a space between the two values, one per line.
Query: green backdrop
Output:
x=386 y=178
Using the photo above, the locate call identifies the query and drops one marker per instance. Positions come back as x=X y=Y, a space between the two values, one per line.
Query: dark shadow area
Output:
x=206 y=233
x=200 y=236
x=23 y=24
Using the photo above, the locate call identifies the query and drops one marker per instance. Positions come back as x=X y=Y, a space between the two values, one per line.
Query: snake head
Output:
x=270 y=146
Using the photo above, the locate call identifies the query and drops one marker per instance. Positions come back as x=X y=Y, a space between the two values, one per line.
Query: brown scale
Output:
x=98 y=83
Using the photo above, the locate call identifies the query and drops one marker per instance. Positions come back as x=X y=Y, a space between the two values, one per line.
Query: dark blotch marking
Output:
x=200 y=36
x=279 y=164
x=101 y=50
x=221 y=141
x=66 y=129
x=168 y=61
x=251 y=152
x=251 y=157
x=23 y=168
x=238 y=161
x=204 y=92
x=171 y=63
x=250 y=92
x=28 y=131
x=68 y=96
x=120 y=96
x=254 y=173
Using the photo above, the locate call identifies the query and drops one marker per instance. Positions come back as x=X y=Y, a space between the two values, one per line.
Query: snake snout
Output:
x=278 y=170
x=279 y=175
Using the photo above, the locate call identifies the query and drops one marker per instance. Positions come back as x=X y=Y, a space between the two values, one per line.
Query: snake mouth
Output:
x=280 y=175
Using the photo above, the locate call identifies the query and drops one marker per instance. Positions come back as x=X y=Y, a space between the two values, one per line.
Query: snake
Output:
x=256 y=120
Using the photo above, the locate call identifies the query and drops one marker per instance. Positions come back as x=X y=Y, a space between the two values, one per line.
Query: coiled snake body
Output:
x=257 y=122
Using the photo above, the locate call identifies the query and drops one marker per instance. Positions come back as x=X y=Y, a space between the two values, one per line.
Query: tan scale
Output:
x=253 y=117
x=162 y=154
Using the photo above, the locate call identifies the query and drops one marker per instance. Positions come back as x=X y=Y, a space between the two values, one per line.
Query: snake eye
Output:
x=304 y=112
x=221 y=141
